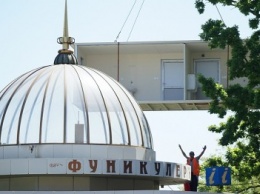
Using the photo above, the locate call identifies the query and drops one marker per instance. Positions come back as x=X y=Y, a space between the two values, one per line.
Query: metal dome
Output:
x=65 y=58
x=49 y=104
x=68 y=103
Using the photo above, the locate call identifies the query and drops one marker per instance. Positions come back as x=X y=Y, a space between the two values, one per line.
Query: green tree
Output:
x=245 y=186
x=242 y=129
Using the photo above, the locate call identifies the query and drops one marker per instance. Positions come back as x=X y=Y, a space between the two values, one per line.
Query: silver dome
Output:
x=70 y=104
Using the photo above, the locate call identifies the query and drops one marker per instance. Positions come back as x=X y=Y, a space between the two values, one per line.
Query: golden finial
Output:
x=65 y=40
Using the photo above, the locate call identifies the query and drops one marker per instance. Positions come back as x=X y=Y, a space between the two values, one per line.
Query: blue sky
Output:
x=29 y=30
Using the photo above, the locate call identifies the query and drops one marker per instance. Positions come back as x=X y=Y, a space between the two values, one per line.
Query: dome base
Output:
x=99 y=167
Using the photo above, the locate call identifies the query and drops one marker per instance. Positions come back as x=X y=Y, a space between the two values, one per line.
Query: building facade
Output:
x=160 y=75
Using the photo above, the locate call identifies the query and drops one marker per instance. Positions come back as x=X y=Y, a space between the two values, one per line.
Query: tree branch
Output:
x=250 y=187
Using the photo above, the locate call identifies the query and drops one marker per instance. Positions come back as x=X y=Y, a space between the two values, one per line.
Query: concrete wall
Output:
x=74 y=183
x=74 y=150
x=139 y=73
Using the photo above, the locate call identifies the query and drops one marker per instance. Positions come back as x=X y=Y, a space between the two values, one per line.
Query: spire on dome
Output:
x=65 y=55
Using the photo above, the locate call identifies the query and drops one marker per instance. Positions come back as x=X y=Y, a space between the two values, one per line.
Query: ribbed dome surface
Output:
x=47 y=104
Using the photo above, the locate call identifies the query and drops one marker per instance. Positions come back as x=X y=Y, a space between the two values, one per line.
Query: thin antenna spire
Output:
x=65 y=40
x=65 y=55
x=65 y=27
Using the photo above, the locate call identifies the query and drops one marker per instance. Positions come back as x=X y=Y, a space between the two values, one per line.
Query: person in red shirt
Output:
x=195 y=167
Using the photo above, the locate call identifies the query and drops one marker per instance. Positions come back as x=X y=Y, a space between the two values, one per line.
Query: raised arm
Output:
x=183 y=153
x=204 y=148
